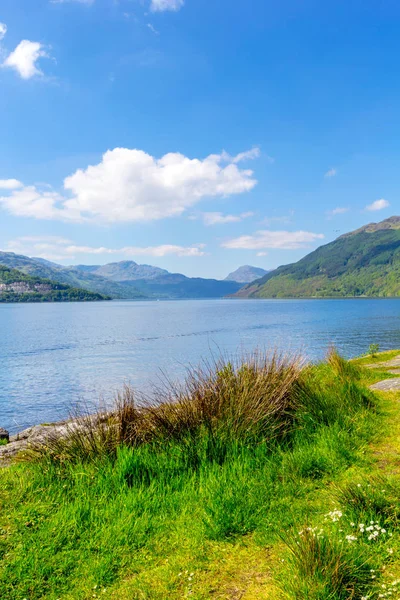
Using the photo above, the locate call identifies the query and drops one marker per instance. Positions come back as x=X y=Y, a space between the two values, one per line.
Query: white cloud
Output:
x=10 y=184
x=331 y=173
x=378 y=205
x=3 y=30
x=153 y=29
x=58 y=248
x=24 y=58
x=339 y=210
x=163 y=5
x=262 y=254
x=265 y=239
x=249 y=155
x=217 y=218
x=131 y=185
x=29 y=201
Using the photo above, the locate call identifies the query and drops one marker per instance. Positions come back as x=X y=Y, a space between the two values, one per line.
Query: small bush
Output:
x=373 y=350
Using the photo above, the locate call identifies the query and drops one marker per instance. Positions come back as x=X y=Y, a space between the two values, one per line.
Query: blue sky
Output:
x=197 y=136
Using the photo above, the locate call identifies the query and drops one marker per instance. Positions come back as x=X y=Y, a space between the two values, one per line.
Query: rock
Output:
x=388 y=385
x=394 y=363
x=4 y=435
x=40 y=434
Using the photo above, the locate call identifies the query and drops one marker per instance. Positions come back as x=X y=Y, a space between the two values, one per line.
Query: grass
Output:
x=204 y=494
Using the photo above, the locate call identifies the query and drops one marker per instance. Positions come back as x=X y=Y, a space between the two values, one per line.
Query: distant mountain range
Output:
x=153 y=282
x=246 y=274
x=365 y=262
x=127 y=279
x=16 y=286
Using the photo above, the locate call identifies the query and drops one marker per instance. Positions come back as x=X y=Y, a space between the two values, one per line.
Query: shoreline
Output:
x=39 y=434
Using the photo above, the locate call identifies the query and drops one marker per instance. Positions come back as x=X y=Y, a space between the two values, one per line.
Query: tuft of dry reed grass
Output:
x=253 y=399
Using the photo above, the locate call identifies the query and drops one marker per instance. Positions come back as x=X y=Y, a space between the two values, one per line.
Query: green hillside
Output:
x=16 y=286
x=365 y=262
x=70 y=276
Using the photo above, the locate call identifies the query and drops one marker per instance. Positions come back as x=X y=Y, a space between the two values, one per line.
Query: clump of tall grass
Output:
x=331 y=392
x=261 y=399
x=372 y=500
x=323 y=567
x=343 y=368
x=254 y=400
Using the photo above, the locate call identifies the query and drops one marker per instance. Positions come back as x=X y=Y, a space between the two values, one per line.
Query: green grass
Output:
x=205 y=497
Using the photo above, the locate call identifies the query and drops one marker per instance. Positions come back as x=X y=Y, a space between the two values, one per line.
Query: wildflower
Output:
x=335 y=515
x=390 y=550
x=351 y=538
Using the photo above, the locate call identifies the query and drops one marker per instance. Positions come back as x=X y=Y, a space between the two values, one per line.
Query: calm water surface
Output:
x=53 y=356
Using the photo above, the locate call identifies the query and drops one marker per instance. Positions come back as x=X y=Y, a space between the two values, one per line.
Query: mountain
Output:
x=154 y=282
x=126 y=270
x=246 y=274
x=125 y=279
x=175 y=285
x=39 y=267
x=16 y=286
x=365 y=262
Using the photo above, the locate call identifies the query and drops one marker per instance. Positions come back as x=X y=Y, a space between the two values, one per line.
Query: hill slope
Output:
x=16 y=286
x=246 y=274
x=365 y=262
x=38 y=267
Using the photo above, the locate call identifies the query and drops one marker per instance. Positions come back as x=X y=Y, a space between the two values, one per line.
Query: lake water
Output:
x=53 y=356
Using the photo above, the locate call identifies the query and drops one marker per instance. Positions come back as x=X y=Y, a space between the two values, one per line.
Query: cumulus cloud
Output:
x=217 y=218
x=164 y=5
x=58 y=248
x=378 y=205
x=29 y=201
x=10 y=184
x=265 y=239
x=131 y=185
x=25 y=57
x=331 y=173
x=3 y=30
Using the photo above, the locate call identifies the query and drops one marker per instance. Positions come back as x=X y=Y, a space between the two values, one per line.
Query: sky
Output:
x=195 y=135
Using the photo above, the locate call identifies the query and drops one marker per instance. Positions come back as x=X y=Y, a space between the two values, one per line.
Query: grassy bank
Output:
x=266 y=479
